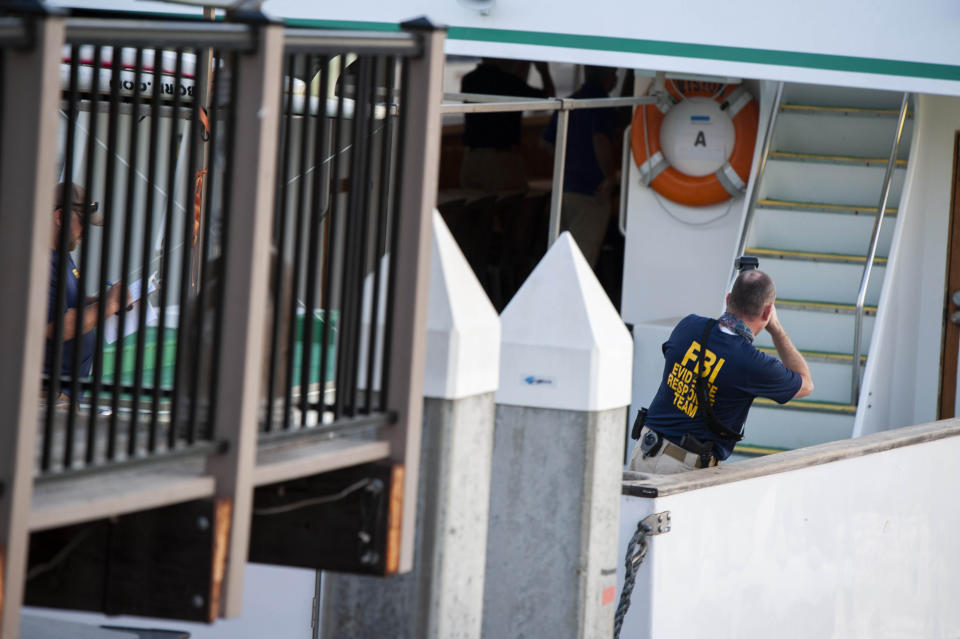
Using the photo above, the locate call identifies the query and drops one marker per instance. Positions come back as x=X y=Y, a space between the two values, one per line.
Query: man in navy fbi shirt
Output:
x=69 y=209
x=677 y=435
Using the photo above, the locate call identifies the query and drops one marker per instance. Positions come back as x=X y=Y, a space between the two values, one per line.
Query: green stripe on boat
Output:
x=852 y=64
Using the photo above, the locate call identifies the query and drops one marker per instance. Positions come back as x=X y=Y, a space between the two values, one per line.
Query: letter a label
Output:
x=701 y=139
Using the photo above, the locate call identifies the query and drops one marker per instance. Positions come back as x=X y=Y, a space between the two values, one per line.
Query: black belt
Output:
x=681 y=454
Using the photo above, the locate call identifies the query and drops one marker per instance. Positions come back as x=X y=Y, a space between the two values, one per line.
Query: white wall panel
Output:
x=862 y=547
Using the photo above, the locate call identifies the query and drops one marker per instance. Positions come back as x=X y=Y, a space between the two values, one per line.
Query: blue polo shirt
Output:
x=736 y=373
x=88 y=341
x=582 y=173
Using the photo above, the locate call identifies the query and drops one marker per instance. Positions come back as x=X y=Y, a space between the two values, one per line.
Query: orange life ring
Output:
x=717 y=187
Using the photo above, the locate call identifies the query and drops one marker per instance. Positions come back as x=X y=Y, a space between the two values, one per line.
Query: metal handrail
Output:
x=518 y=104
x=482 y=103
x=872 y=251
x=302 y=40
x=625 y=159
x=159 y=33
x=767 y=139
x=456 y=97
x=559 y=168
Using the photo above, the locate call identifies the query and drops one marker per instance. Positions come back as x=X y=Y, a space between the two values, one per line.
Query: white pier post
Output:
x=442 y=597
x=565 y=367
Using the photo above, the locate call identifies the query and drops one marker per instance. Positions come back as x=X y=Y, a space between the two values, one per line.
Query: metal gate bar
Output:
x=165 y=256
x=188 y=241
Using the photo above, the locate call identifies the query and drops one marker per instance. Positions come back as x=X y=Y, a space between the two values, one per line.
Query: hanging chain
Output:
x=654 y=524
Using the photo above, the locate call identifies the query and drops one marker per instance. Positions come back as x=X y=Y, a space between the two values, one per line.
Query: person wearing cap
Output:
x=69 y=202
x=678 y=433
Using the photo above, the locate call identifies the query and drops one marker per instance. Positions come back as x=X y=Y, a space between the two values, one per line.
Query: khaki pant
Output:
x=586 y=217
x=658 y=464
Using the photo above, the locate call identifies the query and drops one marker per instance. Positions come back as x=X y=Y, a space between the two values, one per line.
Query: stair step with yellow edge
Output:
x=823 y=307
x=753 y=450
x=819 y=356
x=824 y=158
x=812 y=256
x=823 y=207
x=808 y=405
x=842 y=110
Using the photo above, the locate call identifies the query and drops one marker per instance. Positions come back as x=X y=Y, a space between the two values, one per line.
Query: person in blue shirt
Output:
x=68 y=209
x=590 y=171
x=678 y=434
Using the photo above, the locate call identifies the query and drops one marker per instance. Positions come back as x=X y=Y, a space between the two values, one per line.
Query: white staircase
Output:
x=815 y=212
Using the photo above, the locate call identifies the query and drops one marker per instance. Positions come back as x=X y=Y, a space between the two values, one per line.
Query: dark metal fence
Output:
x=135 y=303
x=184 y=200
x=334 y=229
x=153 y=170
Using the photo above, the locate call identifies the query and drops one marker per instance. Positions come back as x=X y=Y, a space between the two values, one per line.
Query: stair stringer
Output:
x=901 y=379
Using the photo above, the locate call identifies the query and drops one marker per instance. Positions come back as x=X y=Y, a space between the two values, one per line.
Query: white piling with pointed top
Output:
x=442 y=598
x=565 y=368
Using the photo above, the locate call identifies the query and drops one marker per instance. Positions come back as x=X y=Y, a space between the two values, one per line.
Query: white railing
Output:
x=872 y=251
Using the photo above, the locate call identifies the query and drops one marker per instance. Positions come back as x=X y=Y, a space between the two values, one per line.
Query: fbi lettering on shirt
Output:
x=680 y=379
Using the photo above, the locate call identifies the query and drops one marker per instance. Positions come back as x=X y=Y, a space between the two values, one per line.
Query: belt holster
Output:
x=704 y=450
x=638 y=423
x=650 y=444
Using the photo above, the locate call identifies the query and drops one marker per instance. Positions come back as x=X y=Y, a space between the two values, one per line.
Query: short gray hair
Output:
x=751 y=292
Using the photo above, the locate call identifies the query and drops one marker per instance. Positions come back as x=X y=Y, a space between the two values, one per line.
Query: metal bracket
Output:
x=655 y=524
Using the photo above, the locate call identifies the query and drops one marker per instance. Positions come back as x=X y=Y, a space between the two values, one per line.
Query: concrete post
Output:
x=558 y=451
x=442 y=597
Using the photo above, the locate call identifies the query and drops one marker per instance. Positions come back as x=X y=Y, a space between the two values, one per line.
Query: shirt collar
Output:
x=735 y=324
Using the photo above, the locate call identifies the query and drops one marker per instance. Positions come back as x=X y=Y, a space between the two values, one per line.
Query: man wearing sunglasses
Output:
x=69 y=201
